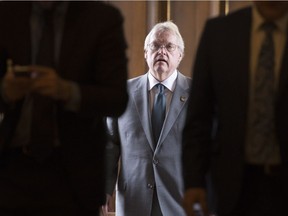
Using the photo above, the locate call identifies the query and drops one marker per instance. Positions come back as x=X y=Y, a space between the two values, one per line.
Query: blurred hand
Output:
x=22 y=80
x=15 y=87
x=47 y=82
x=194 y=196
x=109 y=206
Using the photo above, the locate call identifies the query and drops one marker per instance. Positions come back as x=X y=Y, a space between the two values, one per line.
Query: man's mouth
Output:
x=161 y=60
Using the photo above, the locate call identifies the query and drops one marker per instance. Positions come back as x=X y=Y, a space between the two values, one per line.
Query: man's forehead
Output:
x=163 y=36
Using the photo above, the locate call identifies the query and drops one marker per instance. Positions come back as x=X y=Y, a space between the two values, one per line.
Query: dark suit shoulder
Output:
x=221 y=31
x=13 y=5
x=11 y=12
x=102 y=10
x=234 y=19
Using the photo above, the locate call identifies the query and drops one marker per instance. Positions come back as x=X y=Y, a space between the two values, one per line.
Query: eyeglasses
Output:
x=170 y=47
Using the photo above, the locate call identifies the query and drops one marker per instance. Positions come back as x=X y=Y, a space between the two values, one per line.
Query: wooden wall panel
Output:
x=140 y=16
x=235 y=5
x=135 y=17
x=190 y=17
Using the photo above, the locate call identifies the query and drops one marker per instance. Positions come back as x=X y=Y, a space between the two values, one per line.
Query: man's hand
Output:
x=109 y=206
x=15 y=87
x=22 y=80
x=47 y=82
x=194 y=196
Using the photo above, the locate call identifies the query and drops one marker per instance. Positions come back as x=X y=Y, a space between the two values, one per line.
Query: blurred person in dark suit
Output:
x=63 y=67
x=237 y=118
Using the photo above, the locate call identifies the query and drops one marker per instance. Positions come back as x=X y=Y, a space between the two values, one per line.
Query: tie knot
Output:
x=160 y=87
x=268 y=27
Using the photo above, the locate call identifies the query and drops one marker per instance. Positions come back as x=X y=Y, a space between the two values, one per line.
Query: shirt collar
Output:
x=169 y=83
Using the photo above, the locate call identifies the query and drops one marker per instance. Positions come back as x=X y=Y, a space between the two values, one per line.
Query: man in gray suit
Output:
x=149 y=182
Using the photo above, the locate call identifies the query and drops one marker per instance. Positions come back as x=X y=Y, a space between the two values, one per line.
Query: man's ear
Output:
x=145 y=54
x=180 y=57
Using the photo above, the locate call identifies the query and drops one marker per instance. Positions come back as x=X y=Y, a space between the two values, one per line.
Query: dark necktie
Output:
x=264 y=93
x=43 y=110
x=158 y=112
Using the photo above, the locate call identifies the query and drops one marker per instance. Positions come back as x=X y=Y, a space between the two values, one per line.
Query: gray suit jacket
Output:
x=144 y=167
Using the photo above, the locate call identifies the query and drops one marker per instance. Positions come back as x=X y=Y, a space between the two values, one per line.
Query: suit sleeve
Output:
x=109 y=96
x=112 y=153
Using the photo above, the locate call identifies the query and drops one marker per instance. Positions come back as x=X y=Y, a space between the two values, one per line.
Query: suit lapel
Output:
x=179 y=99
x=242 y=60
x=237 y=71
x=141 y=102
x=283 y=72
x=20 y=50
x=70 y=43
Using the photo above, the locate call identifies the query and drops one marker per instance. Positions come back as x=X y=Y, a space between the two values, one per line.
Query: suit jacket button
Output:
x=150 y=186
x=155 y=161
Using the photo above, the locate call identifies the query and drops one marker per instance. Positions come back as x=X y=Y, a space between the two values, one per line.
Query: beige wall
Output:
x=140 y=16
x=135 y=18
x=190 y=16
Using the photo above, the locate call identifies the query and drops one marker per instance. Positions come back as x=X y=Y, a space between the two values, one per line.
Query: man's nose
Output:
x=162 y=49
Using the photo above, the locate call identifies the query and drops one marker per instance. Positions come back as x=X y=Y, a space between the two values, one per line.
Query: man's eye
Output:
x=170 y=46
x=155 y=46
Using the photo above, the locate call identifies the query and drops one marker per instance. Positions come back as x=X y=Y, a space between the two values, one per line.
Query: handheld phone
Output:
x=22 y=71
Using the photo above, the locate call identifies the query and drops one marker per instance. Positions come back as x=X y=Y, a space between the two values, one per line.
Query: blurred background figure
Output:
x=63 y=67
x=147 y=137
x=237 y=117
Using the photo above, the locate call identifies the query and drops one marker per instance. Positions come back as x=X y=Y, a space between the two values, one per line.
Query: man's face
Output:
x=272 y=10
x=163 y=55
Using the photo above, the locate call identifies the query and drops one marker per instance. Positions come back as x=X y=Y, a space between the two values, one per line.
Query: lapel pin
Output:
x=182 y=98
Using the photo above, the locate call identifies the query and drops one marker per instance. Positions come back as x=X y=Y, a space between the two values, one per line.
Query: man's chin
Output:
x=161 y=68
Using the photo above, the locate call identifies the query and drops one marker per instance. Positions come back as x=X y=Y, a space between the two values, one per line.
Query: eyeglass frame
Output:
x=163 y=46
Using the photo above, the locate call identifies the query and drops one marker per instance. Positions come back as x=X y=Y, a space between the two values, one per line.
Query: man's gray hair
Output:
x=162 y=27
